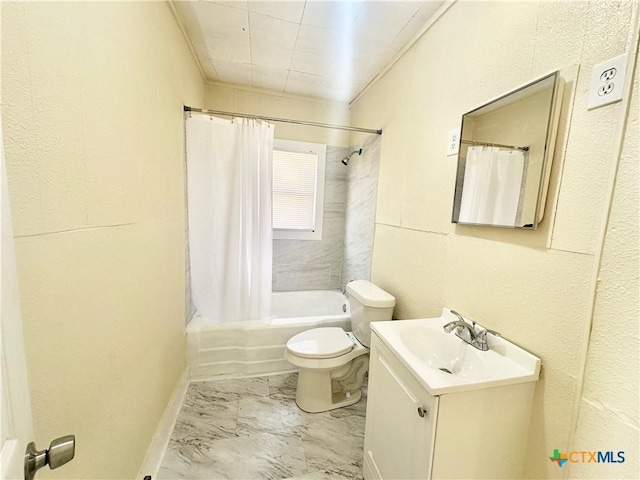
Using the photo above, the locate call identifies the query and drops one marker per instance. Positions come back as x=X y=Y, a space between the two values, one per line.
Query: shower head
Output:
x=345 y=160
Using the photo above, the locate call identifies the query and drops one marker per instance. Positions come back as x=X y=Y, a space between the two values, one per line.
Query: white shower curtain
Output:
x=491 y=188
x=229 y=211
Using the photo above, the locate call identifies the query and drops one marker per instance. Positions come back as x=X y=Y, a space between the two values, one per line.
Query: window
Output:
x=298 y=189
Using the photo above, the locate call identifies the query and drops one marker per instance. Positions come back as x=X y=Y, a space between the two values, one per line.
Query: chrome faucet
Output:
x=481 y=339
x=475 y=339
x=460 y=325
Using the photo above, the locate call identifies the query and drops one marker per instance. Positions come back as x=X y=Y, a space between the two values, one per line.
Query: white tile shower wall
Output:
x=362 y=187
x=317 y=264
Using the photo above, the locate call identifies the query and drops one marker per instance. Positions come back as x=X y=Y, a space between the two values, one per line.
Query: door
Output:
x=16 y=427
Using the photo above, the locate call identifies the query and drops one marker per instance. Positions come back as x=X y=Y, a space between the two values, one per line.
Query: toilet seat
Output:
x=355 y=349
x=324 y=342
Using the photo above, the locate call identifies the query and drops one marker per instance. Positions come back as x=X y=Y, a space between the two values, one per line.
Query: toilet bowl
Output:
x=332 y=363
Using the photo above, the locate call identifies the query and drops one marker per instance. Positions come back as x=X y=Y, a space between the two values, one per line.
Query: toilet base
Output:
x=323 y=390
x=313 y=398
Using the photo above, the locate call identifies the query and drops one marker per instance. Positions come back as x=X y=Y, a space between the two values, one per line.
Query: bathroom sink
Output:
x=444 y=363
x=444 y=351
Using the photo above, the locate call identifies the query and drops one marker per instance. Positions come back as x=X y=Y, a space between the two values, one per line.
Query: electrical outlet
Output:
x=606 y=89
x=454 y=142
x=607 y=82
x=608 y=74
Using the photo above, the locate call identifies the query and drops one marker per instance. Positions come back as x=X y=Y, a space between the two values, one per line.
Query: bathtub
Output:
x=257 y=348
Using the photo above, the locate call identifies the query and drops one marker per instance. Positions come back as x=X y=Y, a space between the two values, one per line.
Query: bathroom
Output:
x=93 y=133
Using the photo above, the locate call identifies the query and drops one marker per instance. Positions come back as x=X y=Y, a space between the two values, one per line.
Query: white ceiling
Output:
x=324 y=49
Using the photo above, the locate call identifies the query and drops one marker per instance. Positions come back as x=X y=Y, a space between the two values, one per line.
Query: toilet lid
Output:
x=325 y=342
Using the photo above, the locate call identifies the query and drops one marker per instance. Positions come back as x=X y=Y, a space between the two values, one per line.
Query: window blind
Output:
x=294 y=190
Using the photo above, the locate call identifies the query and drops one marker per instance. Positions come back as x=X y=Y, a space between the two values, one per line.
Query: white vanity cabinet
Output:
x=410 y=434
x=400 y=421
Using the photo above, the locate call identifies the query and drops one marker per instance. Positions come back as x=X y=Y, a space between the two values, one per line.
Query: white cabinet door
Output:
x=400 y=420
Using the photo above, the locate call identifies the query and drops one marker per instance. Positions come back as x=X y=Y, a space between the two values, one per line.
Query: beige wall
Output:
x=609 y=409
x=235 y=98
x=92 y=98
x=534 y=287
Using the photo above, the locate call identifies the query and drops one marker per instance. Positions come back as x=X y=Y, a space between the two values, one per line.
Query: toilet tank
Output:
x=369 y=303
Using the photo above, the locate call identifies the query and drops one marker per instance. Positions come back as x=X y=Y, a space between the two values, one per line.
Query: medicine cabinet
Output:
x=505 y=154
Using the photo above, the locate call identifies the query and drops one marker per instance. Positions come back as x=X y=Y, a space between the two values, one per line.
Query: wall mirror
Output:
x=505 y=154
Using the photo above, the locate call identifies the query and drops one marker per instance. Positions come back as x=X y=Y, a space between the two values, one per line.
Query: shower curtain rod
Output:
x=487 y=144
x=282 y=120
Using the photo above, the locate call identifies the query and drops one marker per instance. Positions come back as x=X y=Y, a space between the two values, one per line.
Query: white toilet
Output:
x=333 y=362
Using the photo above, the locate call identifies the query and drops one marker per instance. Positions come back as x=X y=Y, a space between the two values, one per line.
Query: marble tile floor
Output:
x=251 y=428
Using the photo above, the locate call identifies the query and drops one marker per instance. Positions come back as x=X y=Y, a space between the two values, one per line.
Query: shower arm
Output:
x=345 y=160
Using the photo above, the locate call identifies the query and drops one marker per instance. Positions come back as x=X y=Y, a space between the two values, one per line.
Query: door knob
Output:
x=59 y=452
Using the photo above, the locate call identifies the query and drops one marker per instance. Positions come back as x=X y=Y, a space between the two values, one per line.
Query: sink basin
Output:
x=445 y=351
x=444 y=363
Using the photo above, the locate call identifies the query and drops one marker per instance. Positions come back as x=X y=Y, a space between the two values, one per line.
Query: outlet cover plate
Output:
x=607 y=82
x=453 y=144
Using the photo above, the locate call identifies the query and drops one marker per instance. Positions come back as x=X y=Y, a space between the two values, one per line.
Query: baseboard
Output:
x=160 y=440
